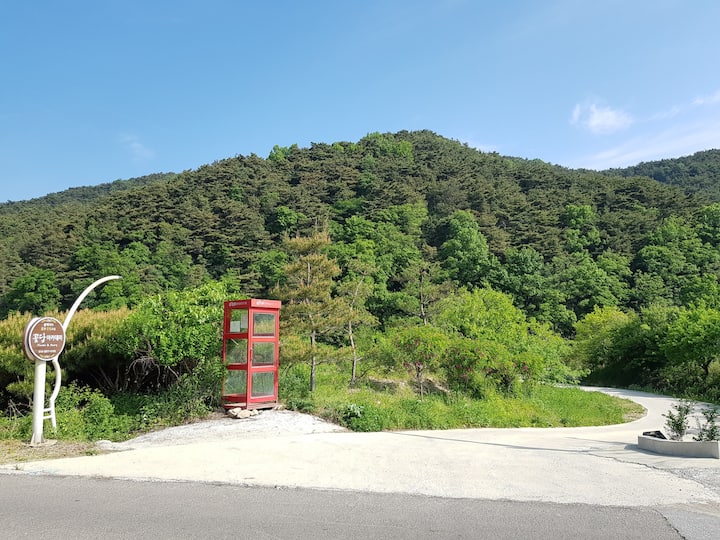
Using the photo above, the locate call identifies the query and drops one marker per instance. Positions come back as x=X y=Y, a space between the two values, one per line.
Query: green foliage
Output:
x=676 y=419
x=597 y=338
x=90 y=355
x=465 y=254
x=709 y=429
x=35 y=292
x=514 y=350
x=307 y=293
x=692 y=339
x=417 y=349
x=625 y=348
x=479 y=368
x=16 y=371
x=194 y=395
x=393 y=406
x=422 y=213
x=294 y=389
x=168 y=335
x=86 y=414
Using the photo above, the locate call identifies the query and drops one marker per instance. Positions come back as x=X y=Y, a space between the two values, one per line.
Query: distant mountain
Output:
x=88 y=194
x=698 y=173
x=169 y=231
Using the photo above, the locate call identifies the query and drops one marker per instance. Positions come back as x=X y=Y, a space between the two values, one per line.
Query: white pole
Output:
x=38 y=403
x=55 y=392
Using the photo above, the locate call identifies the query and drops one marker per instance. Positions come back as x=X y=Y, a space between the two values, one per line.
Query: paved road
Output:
x=77 y=508
x=599 y=466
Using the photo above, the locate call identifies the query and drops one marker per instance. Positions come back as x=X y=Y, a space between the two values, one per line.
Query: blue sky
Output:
x=98 y=90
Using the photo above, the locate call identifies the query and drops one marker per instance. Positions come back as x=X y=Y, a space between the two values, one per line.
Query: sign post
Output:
x=43 y=342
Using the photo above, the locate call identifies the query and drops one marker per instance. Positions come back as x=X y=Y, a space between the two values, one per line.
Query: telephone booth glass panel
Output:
x=263 y=384
x=235 y=383
x=238 y=321
x=263 y=353
x=236 y=351
x=264 y=324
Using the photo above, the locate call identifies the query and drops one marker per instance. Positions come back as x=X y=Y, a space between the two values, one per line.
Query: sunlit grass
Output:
x=395 y=405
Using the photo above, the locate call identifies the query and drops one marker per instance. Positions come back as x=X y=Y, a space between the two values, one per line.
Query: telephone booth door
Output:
x=251 y=341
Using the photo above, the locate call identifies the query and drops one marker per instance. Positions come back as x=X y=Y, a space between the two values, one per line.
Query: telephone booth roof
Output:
x=254 y=303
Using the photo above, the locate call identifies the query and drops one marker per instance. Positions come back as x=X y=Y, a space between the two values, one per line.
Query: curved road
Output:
x=598 y=466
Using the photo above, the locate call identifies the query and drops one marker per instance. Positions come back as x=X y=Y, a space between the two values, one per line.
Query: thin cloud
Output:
x=488 y=148
x=601 y=120
x=676 y=141
x=138 y=151
x=707 y=100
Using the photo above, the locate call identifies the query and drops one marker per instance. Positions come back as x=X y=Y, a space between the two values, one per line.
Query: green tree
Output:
x=307 y=292
x=693 y=340
x=417 y=349
x=35 y=292
x=513 y=348
x=169 y=334
x=596 y=344
x=581 y=232
x=352 y=293
x=676 y=256
x=465 y=254
x=585 y=284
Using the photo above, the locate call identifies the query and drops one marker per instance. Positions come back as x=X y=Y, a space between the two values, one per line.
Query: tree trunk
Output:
x=354 y=354
x=706 y=367
x=423 y=314
x=313 y=361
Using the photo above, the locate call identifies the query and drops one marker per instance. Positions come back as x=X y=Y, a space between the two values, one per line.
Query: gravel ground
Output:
x=265 y=423
x=706 y=476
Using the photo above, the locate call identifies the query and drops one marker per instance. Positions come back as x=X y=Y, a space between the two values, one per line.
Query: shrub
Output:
x=677 y=419
x=194 y=395
x=167 y=335
x=85 y=414
x=709 y=431
x=363 y=418
x=415 y=349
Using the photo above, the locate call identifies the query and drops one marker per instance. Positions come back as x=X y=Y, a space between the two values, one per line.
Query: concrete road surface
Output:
x=599 y=466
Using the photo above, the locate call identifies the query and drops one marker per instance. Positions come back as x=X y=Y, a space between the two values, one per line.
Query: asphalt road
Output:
x=77 y=508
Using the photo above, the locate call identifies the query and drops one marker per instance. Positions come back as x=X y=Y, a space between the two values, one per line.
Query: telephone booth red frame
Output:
x=251 y=353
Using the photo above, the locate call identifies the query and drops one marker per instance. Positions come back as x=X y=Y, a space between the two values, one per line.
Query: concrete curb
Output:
x=690 y=449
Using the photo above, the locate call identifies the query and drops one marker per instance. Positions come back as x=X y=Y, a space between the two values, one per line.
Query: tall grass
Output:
x=395 y=405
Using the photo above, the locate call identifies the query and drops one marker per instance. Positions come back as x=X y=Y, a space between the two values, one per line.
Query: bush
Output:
x=85 y=414
x=495 y=345
x=709 y=431
x=677 y=419
x=362 y=418
x=417 y=350
x=195 y=395
x=294 y=389
x=166 y=335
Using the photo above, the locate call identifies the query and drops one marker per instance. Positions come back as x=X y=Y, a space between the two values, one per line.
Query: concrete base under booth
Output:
x=691 y=449
x=243 y=405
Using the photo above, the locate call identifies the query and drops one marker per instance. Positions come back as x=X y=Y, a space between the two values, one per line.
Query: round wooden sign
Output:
x=44 y=339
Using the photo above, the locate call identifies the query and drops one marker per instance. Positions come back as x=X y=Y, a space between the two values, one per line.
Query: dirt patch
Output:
x=632 y=411
x=13 y=451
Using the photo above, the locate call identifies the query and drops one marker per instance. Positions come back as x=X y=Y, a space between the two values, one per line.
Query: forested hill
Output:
x=699 y=173
x=392 y=198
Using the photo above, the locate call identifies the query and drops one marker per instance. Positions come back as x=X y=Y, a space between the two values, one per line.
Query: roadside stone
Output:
x=239 y=413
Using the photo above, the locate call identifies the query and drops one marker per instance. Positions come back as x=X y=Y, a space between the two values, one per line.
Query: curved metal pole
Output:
x=56 y=364
x=80 y=298
x=55 y=392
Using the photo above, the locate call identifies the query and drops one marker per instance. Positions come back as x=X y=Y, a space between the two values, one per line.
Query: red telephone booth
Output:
x=251 y=342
